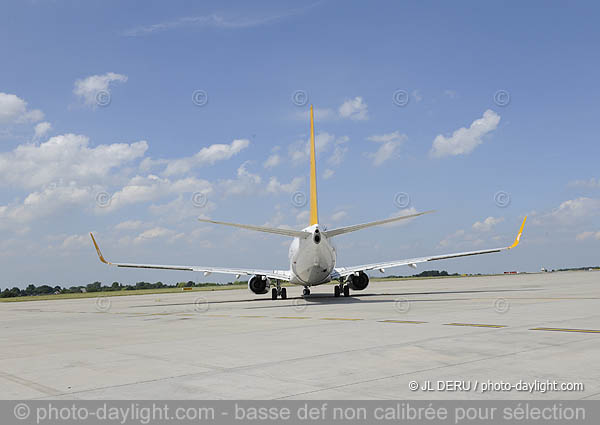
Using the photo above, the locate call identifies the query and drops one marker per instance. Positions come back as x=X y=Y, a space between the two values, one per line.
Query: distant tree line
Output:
x=576 y=269
x=428 y=273
x=33 y=290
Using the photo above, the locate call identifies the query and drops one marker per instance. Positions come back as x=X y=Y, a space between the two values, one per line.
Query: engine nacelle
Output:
x=259 y=284
x=358 y=283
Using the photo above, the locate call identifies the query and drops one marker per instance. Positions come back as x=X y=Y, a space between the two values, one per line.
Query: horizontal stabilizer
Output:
x=276 y=230
x=348 y=229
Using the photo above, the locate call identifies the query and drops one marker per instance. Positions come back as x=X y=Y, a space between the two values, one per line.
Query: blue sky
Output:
x=99 y=131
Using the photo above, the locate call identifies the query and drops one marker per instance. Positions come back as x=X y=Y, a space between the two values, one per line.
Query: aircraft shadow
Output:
x=356 y=297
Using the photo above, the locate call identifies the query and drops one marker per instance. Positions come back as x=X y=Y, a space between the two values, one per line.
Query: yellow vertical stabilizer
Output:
x=314 y=214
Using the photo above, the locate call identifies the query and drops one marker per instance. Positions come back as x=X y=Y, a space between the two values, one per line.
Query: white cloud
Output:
x=89 y=88
x=402 y=212
x=274 y=186
x=213 y=20
x=399 y=213
x=452 y=94
x=272 y=161
x=129 y=225
x=592 y=183
x=205 y=156
x=464 y=140
x=245 y=183
x=575 y=209
x=328 y=173
x=53 y=198
x=451 y=238
x=154 y=233
x=570 y=213
x=322 y=142
x=66 y=157
x=182 y=209
x=41 y=129
x=65 y=171
x=339 y=215
x=354 y=109
x=321 y=114
x=13 y=110
x=277 y=220
x=151 y=187
x=339 y=151
x=324 y=114
x=300 y=150
x=389 y=145
x=303 y=216
x=76 y=241
x=461 y=239
x=487 y=224
x=337 y=157
x=45 y=202
x=587 y=235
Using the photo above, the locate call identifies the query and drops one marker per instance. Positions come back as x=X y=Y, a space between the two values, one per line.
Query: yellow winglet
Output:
x=518 y=239
x=98 y=250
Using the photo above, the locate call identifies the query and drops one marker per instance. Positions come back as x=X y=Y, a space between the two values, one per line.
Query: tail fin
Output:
x=314 y=214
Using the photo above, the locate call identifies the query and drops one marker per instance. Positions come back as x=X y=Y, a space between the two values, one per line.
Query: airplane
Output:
x=311 y=254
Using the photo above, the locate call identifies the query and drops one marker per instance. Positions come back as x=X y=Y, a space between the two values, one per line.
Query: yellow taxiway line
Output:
x=587 y=331
x=477 y=325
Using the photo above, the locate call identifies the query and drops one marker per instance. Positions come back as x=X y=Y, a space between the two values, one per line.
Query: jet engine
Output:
x=358 y=283
x=259 y=284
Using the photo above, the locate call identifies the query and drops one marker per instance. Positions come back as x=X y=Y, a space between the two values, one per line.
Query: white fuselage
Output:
x=311 y=259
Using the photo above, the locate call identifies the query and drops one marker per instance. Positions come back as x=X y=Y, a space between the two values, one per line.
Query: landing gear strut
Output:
x=278 y=291
x=341 y=289
x=306 y=291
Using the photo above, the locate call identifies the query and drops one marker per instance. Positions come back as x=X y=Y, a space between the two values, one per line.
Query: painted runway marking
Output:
x=589 y=331
x=355 y=319
x=338 y=318
x=292 y=317
x=477 y=325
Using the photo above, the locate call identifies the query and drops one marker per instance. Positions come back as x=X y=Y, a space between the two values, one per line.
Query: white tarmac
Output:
x=236 y=345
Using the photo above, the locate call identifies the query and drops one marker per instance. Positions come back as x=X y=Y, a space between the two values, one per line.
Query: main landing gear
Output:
x=306 y=291
x=341 y=289
x=278 y=291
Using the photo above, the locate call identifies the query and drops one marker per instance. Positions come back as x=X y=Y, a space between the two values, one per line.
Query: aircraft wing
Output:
x=340 y=272
x=273 y=274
